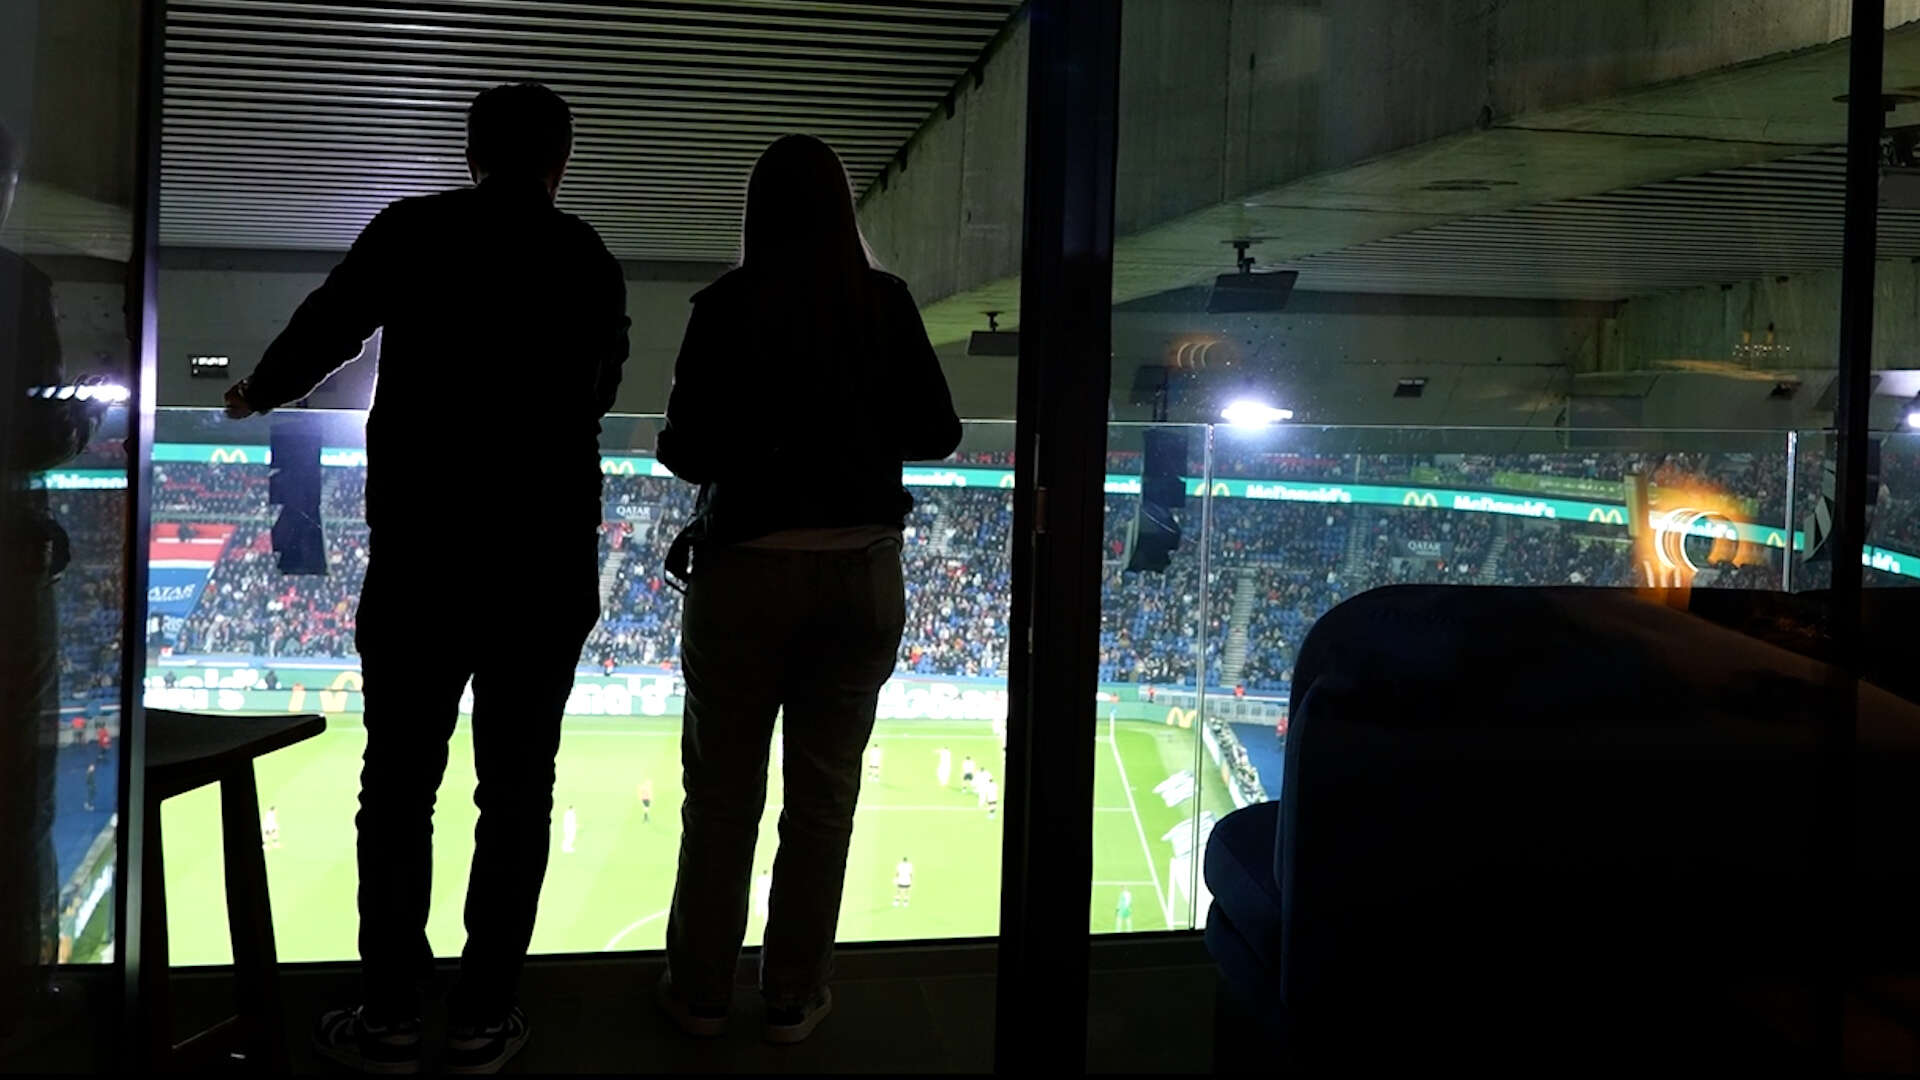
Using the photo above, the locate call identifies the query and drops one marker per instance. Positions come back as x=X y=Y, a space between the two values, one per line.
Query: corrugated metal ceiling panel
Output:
x=1756 y=221
x=288 y=123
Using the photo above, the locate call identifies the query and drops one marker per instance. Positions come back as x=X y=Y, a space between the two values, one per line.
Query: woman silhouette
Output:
x=804 y=381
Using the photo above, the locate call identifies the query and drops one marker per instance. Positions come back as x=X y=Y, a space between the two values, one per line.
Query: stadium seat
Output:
x=1521 y=818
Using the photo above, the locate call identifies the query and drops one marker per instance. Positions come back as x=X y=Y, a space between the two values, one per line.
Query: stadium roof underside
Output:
x=288 y=123
x=1588 y=178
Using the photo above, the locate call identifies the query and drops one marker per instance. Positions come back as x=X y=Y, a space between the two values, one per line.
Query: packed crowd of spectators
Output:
x=249 y=607
x=90 y=595
x=1462 y=540
x=1294 y=561
x=640 y=614
x=1289 y=602
x=192 y=491
x=957 y=560
x=1566 y=554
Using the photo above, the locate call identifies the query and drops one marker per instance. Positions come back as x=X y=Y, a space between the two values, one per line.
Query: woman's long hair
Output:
x=811 y=269
x=800 y=222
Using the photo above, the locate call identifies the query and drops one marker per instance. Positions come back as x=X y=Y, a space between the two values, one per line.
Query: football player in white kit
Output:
x=270 y=830
x=944 y=770
x=569 y=828
x=902 y=881
x=873 y=762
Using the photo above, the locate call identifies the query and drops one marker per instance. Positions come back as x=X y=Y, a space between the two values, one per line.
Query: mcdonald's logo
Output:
x=1607 y=515
x=1420 y=498
x=1774 y=539
x=1221 y=490
x=229 y=455
x=1006 y=481
x=621 y=467
x=1182 y=718
x=334 y=698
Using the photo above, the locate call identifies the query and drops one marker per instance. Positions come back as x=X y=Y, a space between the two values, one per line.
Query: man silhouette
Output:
x=504 y=316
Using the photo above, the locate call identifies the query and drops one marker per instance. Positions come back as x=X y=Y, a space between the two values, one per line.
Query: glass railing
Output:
x=1276 y=526
x=230 y=633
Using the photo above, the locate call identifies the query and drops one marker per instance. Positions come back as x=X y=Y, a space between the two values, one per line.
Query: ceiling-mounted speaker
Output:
x=1251 y=292
x=994 y=343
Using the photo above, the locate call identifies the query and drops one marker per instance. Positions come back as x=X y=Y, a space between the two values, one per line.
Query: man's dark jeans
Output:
x=814 y=633
x=428 y=621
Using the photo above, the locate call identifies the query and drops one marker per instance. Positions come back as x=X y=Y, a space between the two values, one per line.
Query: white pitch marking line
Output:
x=1145 y=848
x=614 y=941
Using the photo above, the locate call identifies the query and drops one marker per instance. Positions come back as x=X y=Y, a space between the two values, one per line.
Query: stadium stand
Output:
x=88 y=598
x=1273 y=567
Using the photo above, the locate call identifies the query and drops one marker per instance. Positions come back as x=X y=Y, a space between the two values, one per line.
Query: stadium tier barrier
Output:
x=235 y=685
x=1601 y=502
x=1505 y=492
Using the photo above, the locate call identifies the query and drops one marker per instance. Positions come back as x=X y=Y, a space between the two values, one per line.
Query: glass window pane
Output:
x=926 y=112
x=230 y=633
x=1146 y=768
x=68 y=176
x=1892 y=554
x=1530 y=316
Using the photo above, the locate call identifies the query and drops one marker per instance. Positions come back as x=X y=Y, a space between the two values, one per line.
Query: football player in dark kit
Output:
x=500 y=314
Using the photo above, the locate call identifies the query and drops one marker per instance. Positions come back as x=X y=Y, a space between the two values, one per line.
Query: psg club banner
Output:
x=180 y=559
x=1434 y=550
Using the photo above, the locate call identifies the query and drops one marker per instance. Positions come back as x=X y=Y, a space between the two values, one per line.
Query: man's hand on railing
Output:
x=237 y=407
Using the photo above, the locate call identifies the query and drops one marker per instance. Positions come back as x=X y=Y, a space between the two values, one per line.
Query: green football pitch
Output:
x=613 y=891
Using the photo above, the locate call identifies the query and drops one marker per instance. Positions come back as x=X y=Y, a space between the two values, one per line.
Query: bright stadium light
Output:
x=105 y=393
x=1249 y=413
x=1913 y=418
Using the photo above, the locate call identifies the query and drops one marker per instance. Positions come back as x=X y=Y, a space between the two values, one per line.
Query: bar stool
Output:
x=186 y=751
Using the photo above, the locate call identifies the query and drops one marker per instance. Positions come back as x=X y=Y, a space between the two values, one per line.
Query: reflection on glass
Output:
x=68 y=102
x=1153 y=592
x=230 y=633
x=1296 y=520
x=1892 y=554
x=1536 y=313
x=86 y=499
